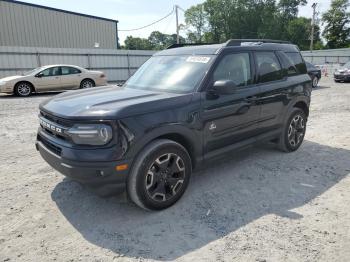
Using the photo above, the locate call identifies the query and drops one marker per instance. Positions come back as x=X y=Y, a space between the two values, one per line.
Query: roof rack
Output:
x=233 y=42
x=238 y=42
x=188 y=44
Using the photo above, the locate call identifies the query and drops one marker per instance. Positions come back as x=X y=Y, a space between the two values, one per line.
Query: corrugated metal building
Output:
x=24 y=24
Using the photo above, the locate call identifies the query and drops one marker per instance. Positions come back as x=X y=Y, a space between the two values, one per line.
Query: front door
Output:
x=48 y=80
x=230 y=118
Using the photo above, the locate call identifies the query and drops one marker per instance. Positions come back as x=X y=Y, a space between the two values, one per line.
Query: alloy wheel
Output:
x=296 y=130
x=165 y=177
x=87 y=84
x=23 y=89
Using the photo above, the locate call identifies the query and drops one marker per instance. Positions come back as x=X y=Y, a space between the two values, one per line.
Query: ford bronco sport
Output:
x=183 y=106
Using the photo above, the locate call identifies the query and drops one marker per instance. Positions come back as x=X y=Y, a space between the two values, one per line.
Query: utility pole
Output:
x=177 y=24
x=313 y=25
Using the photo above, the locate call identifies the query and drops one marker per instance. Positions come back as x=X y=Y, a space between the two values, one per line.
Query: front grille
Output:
x=57 y=120
x=53 y=148
x=62 y=124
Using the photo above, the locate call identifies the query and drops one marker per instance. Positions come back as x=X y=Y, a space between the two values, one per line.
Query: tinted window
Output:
x=235 y=67
x=70 y=70
x=298 y=62
x=288 y=66
x=269 y=68
x=310 y=66
x=53 y=71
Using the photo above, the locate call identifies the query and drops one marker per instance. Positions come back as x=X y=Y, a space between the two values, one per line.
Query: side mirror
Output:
x=39 y=75
x=224 y=87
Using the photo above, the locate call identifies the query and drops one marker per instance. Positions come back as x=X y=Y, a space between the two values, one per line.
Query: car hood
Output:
x=10 y=78
x=342 y=69
x=111 y=102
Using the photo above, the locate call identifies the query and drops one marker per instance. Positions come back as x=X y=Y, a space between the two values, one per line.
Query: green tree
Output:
x=137 y=43
x=160 y=41
x=241 y=19
x=216 y=22
x=196 y=18
x=299 y=31
x=289 y=8
x=336 y=21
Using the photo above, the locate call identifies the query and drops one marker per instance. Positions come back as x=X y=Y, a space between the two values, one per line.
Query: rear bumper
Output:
x=101 y=81
x=101 y=177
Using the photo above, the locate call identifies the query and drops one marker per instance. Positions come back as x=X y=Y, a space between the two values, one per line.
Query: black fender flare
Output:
x=190 y=139
x=297 y=100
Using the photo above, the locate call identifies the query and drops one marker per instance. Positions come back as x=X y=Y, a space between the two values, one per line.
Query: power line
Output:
x=135 y=29
x=168 y=24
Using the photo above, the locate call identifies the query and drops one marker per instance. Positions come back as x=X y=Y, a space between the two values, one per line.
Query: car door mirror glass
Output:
x=224 y=87
x=40 y=75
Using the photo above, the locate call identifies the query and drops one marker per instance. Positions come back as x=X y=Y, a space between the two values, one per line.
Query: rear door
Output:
x=273 y=83
x=70 y=78
x=230 y=118
x=48 y=80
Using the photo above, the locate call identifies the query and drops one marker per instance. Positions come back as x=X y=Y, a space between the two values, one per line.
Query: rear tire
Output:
x=314 y=81
x=23 y=89
x=160 y=175
x=87 y=83
x=293 y=131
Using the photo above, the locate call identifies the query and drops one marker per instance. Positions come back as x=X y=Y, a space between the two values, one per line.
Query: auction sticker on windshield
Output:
x=198 y=59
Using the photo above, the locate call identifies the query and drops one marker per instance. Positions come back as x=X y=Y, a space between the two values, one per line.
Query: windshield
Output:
x=33 y=71
x=170 y=73
x=347 y=65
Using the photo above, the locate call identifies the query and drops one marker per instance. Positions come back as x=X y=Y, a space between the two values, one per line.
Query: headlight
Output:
x=2 y=83
x=90 y=134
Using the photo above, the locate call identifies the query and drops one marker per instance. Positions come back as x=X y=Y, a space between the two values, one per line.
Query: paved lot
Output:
x=255 y=205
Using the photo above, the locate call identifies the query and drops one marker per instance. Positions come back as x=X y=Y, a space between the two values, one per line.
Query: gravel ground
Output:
x=255 y=205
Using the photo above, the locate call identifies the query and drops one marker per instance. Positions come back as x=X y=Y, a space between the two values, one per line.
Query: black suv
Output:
x=185 y=105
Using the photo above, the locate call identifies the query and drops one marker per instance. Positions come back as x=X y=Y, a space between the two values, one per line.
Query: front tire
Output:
x=293 y=132
x=314 y=81
x=160 y=175
x=23 y=89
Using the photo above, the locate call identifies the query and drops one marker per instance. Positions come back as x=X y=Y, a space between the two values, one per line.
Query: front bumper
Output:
x=101 y=177
x=6 y=88
x=341 y=77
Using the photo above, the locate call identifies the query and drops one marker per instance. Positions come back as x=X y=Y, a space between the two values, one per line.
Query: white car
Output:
x=52 y=78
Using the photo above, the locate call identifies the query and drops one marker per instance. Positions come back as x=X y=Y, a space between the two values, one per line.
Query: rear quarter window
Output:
x=298 y=61
x=289 y=68
x=268 y=67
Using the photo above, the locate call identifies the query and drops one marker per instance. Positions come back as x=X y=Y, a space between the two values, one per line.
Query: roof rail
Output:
x=188 y=44
x=237 y=42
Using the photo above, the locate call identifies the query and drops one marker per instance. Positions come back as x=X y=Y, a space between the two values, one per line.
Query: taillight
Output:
x=102 y=75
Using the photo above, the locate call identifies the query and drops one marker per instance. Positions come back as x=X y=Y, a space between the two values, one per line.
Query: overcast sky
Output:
x=136 y=13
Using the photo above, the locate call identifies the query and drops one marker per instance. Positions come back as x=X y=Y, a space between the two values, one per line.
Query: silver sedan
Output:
x=52 y=78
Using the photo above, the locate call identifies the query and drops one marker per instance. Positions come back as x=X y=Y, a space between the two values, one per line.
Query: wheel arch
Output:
x=24 y=81
x=176 y=133
x=303 y=106
x=88 y=78
x=182 y=140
